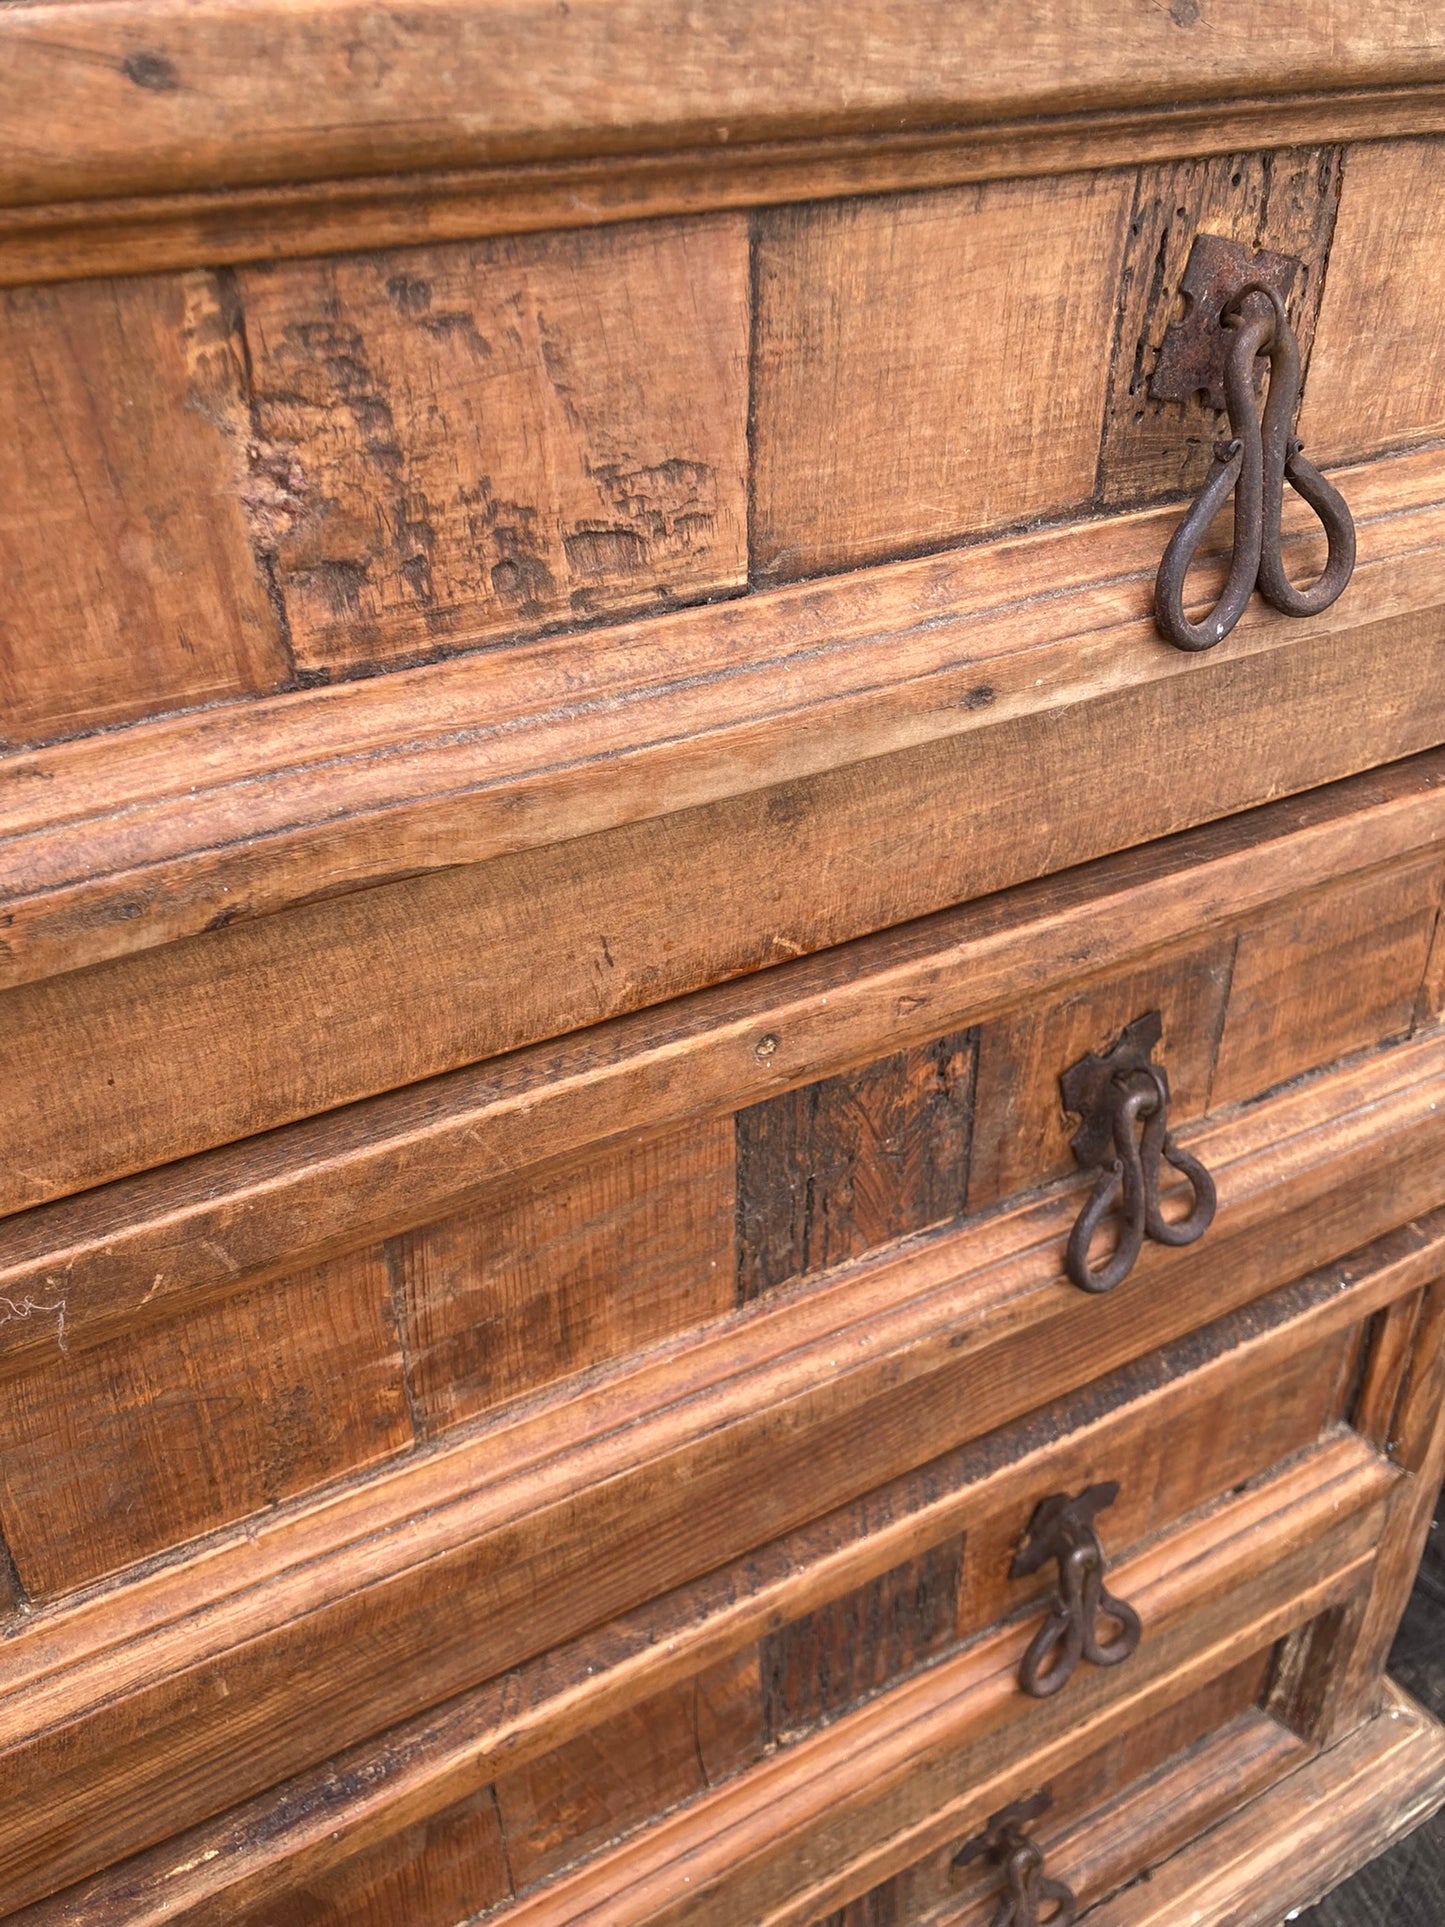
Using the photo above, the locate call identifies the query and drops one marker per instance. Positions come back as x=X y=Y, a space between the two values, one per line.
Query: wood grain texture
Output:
x=439 y=1872
x=130 y=586
x=289 y=1837
x=1227 y=1435
x=602 y=1784
x=817 y=1667
x=138 y=100
x=1330 y=974
x=201 y=227
x=1375 y=381
x=1133 y=1802
x=121 y=843
x=1332 y=1814
x=834 y=1168
x=253 y=1025
x=1282 y=201
x=1431 y=1005
x=468 y=443
x=927 y=1761
x=111 y=1453
x=1022 y=1132
x=342 y=1616
x=140 y=1248
x=568 y=1271
x=1416 y=1442
x=897 y=393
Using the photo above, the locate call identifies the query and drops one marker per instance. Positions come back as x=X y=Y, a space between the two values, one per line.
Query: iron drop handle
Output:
x=1063 y=1528
x=1254 y=465
x=1122 y=1098
x=1027 y=1889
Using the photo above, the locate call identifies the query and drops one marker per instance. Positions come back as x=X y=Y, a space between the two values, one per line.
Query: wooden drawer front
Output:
x=798 y=1825
x=199 y=1345
x=1119 y=1810
x=243 y=480
x=603 y=1611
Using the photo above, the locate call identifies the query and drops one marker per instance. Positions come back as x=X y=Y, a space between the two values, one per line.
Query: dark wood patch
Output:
x=844 y=1164
x=1283 y=201
x=824 y=1663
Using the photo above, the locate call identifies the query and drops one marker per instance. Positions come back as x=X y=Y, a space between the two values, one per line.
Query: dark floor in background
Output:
x=1406 y=1887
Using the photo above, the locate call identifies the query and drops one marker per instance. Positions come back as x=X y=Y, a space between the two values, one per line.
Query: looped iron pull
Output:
x=1027 y=1890
x=1063 y=1528
x=1114 y=1095
x=1261 y=456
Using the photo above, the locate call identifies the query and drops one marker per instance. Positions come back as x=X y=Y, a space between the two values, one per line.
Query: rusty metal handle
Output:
x=1254 y=466
x=1063 y=1528
x=1026 y=1889
x=1122 y=1098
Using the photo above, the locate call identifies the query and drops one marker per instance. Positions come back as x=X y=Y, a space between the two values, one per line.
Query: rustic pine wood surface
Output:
x=1406 y=1886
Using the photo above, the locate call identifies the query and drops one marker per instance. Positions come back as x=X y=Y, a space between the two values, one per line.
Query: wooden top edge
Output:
x=116 y=97
x=227 y=225
x=121 y=841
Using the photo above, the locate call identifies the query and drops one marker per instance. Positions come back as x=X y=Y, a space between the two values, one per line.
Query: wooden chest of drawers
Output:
x=601 y=852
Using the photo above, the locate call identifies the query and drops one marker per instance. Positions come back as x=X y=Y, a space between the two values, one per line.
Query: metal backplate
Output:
x=1193 y=352
x=1089 y=1087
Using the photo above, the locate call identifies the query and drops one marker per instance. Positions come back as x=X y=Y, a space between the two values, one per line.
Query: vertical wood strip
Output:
x=129 y=581
x=929 y=365
x=839 y=1166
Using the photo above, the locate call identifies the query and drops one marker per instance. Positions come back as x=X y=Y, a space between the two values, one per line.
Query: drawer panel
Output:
x=1114 y=1814
x=403 y=1626
x=922 y=1764
x=217 y=1338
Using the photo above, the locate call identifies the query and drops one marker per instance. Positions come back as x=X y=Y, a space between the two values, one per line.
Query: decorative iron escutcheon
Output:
x=1063 y=1528
x=1122 y=1099
x=1027 y=1890
x=1234 y=315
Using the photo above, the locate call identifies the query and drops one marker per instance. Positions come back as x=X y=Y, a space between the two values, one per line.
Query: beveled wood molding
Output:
x=217 y=227
x=1302 y=1838
x=214 y=1223
x=134 y=96
x=878 y=1789
x=122 y=841
x=483 y=1552
x=296 y=1833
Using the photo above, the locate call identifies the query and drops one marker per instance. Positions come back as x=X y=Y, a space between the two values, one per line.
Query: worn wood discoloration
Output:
x=468 y=443
x=1284 y=202
x=568 y=1271
x=129 y=583
x=112 y=1453
x=900 y=398
x=817 y=1667
x=836 y=1167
